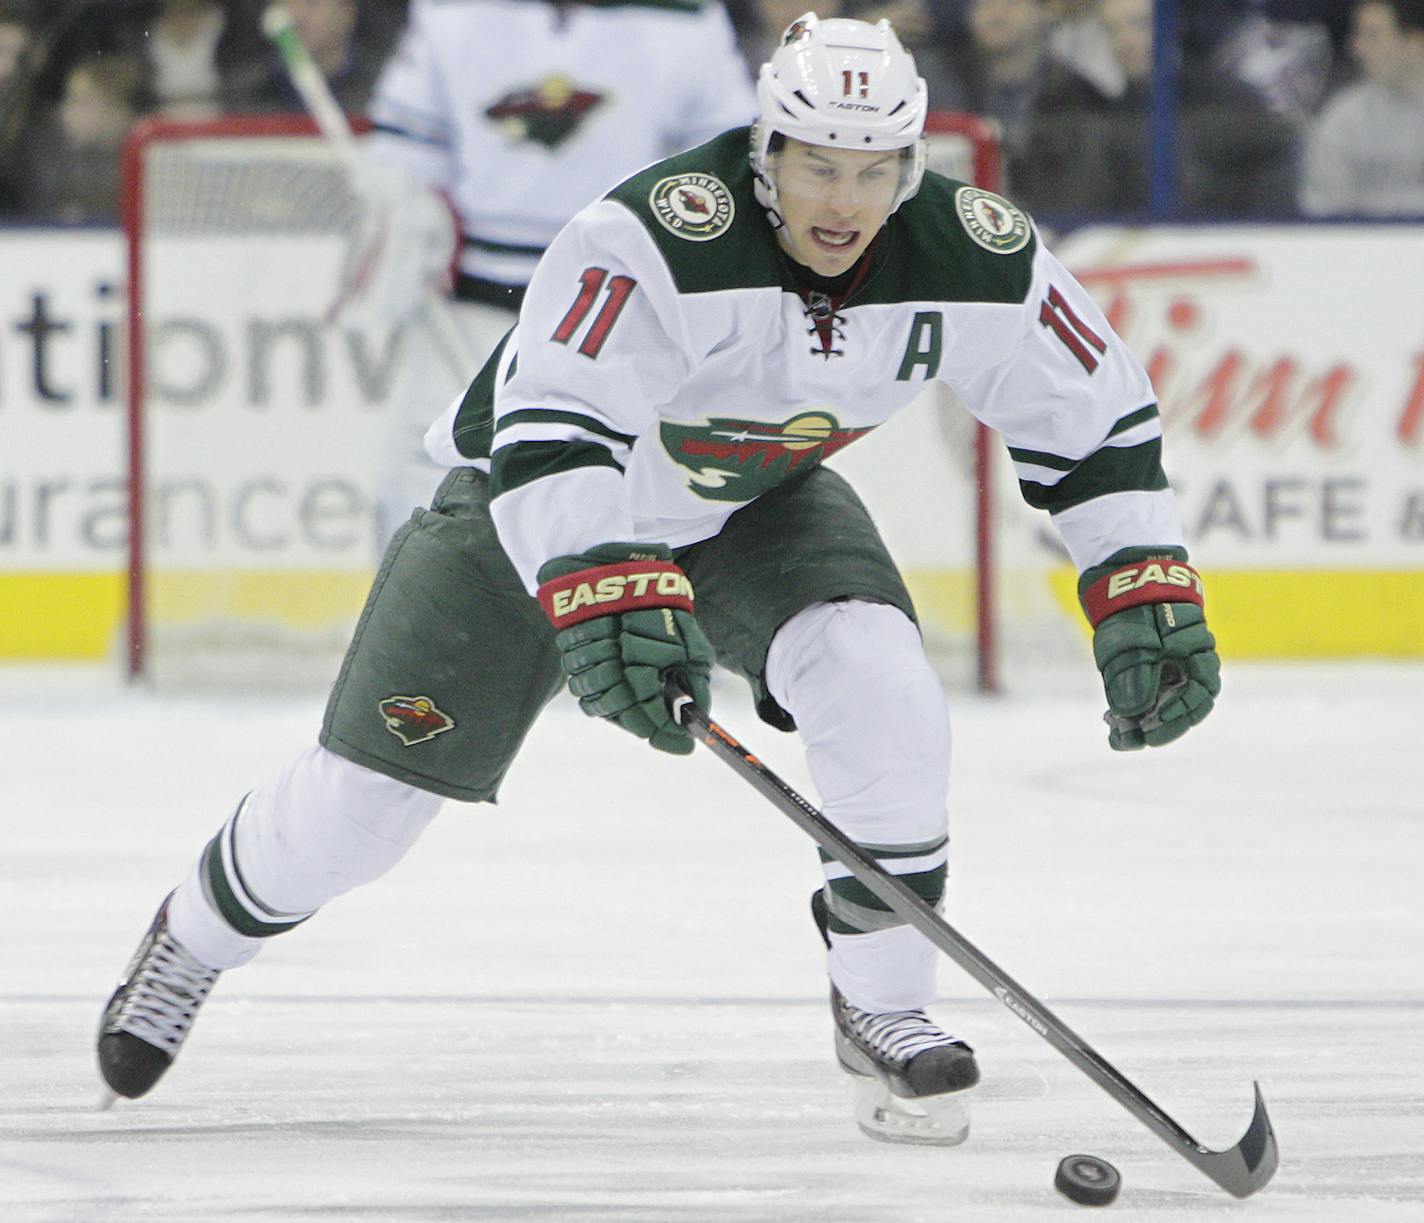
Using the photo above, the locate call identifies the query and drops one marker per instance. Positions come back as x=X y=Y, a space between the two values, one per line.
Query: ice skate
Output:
x=149 y=1015
x=912 y=1080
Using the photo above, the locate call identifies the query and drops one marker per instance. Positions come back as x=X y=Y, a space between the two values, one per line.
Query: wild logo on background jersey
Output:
x=795 y=32
x=736 y=460
x=697 y=207
x=414 y=719
x=991 y=220
x=547 y=113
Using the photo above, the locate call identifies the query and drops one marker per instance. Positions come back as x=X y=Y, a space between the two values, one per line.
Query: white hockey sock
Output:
x=872 y=715
x=321 y=827
x=201 y=930
x=885 y=970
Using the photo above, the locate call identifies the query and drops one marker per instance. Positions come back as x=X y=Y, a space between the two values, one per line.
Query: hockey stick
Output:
x=1240 y=1170
x=331 y=121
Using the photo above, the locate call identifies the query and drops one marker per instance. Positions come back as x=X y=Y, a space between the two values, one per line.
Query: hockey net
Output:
x=253 y=428
x=252 y=423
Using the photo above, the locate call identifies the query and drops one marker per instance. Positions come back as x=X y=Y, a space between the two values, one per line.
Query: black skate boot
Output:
x=149 y=1015
x=911 y=1079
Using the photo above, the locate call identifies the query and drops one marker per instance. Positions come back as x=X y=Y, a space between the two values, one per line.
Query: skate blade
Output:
x=107 y=1099
x=931 y=1121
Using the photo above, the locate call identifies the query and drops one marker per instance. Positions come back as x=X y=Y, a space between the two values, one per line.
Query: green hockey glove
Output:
x=624 y=618
x=1159 y=663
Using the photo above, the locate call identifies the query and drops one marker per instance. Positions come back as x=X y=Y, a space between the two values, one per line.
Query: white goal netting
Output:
x=253 y=422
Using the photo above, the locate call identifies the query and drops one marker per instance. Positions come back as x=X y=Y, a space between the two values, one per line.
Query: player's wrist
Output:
x=1133 y=577
x=612 y=579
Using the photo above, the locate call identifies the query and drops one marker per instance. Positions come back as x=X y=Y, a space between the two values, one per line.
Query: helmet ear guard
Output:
x=845 y=84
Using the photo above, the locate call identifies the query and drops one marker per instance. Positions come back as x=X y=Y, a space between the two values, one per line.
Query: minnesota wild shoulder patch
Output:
x=991 y=220
x=698 y=207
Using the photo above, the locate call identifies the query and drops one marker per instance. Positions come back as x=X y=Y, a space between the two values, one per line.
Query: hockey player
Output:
x=494 y=122
x=637 y=481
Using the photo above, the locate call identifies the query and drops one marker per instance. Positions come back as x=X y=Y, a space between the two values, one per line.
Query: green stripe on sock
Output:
x=884 y=852
x=229 y=907
x=854 y=908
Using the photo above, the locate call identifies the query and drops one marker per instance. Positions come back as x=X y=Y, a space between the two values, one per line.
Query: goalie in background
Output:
x=495 y=122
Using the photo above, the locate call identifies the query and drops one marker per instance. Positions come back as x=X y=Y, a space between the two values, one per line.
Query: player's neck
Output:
x=836 y=287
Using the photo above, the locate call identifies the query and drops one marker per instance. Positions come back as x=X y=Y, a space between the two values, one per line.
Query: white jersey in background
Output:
x=522 y=112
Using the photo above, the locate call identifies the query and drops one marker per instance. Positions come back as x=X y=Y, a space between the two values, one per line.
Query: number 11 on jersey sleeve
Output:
x=591 y=282
x=1077 y=336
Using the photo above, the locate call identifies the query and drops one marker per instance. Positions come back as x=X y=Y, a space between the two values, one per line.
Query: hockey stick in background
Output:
x=331 y=121
x=1240 y=1170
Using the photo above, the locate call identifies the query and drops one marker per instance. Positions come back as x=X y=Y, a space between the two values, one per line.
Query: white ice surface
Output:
x=604 y=1000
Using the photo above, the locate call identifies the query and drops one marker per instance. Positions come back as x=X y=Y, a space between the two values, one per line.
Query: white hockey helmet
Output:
x=843 y=84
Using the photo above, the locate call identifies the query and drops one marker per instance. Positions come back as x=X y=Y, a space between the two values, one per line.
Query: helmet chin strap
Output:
x=765 y=192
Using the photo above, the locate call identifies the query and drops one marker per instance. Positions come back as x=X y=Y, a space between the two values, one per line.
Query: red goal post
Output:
x=966 y=147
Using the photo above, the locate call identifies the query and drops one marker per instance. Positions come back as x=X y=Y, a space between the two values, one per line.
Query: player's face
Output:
x=833 y=202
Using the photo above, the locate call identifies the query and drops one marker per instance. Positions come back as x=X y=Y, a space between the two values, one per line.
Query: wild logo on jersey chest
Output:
x=729 y=459
x=546 y=113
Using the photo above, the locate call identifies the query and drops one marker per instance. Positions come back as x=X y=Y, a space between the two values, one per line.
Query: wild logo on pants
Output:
x=414 y=719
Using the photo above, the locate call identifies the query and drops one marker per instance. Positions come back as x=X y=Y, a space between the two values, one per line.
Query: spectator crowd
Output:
x=1280 y=107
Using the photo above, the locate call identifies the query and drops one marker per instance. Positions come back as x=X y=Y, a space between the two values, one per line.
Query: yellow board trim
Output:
x=1274 y=613
x=60 y=615
x=1254 y=613
x=302 y=599
x=81 y=615
x=1266 y=613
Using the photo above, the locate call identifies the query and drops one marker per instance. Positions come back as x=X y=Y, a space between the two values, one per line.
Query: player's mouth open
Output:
x=834 y=239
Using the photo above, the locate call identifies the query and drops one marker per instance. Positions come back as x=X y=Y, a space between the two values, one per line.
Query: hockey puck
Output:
x=1087 y=1180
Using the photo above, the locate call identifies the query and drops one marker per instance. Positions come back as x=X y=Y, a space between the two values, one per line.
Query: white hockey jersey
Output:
x=523 y=111
x=670 y=365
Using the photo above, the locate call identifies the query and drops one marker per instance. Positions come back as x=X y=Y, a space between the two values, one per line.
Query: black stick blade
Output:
x=1250 y=1164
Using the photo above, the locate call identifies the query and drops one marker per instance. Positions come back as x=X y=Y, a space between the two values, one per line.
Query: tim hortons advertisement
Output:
x=1289 y=364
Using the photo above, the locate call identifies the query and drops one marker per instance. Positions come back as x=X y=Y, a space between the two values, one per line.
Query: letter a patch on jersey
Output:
x=414 y=719
x=991 y=220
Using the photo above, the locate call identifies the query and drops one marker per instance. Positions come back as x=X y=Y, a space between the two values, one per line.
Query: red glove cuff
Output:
x=1160 y=580
x=606 y=590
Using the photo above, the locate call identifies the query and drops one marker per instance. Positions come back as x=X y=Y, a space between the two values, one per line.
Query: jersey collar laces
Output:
x=822 y=300
x=839 y=83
